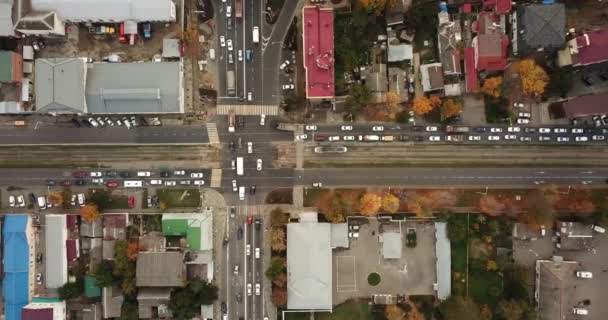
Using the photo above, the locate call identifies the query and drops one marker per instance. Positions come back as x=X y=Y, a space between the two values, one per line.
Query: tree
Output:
x=279 y=296
x=277 y=240
x=392 y=98
x=133 y=250
x=359 y=97
x=70 y=290
x=89 y=213
x=403 y=117
x=129 y=310
x=185 y=302
x=534 y=79
x=442 y=198
x=390 y=203
x=490 y=205
x=459 y=308
x=376 y=6
x=560 y=82
x=510 y=310
x=491 y=265
x=103 y=273
x=394 y=312
x=277 y=266
x=56 y=199
x=485 y=313
x=101 y=198
x=492 y=87
x=457 y=228
x=278 y=218
x=370 y=204
x=280 y=280
x=419 y=204
x=450 y=108
x=422 y=105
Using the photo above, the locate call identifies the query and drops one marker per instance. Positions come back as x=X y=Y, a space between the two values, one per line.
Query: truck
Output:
x=454 y=138
x=256 y=35
x=239 y=166
x=457 y=129
x=231 y=118
x=238 y=9
x=230 y=82
x=369 y=137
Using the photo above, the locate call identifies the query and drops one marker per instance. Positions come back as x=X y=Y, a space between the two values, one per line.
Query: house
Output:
x=585 y=106
x=399 y=51
x=443 y=266
x=524 y=231
x=17 y=284
x=160 y=269
x=398 y=83
x=11 y=66
x=59 y=85
x=585 y=49
x=89 y=312
x=555 y=289
x=6 y=18
x=171 y=48
x=376 y=82
x=195 y=227
x=541 y=26
x=91 y=230
x=449 y=41
x=112 y=299
x=394 y=14
x=318 y=37
x=44 y=309
x=309 y=266
x=153 y=303
x=56 y=260
x=93 y=248
x=91 y=290
x=114 y=226
x=573 y=235
x=432 y=77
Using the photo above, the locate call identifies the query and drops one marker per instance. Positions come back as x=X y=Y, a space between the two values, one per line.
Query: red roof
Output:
x=72 y=249
x=71 y=220
x=319 y=52
x=115 y=220
x=592 y=47
x=466 y=8
x=584 y=106
x=470 y=71
x=37 y=314
x=499 y=6
x=491 y=52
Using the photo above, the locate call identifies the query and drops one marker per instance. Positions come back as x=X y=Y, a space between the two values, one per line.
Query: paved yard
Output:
x=414 y=273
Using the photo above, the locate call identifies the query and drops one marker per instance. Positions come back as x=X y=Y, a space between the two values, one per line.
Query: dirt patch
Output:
x=586 y=14
x=280 y=196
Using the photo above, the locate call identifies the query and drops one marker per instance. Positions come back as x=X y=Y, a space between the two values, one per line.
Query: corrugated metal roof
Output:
x=160 y=269
x=6 y=18
x=90 y=287
x=339 y=235
x=16 y=265
x=109 y=10
x=443 y=252
x=55 y=235
x=60 y=85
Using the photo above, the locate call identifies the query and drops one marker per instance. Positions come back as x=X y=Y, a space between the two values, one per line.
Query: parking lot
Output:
x=414 y=273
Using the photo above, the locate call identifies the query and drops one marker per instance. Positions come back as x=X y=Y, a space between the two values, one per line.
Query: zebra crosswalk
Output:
x=214 y=138
x=248 y=110
x=216 y=178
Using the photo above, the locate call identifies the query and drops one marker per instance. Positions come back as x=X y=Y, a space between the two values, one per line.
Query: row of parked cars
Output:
x=128 y=122
x=42 y=202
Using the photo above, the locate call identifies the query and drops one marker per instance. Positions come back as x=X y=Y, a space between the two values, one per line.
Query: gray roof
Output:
x=91 y=230
x=171 y=48
x=109 y=10
x=395 y=13
x=543 y=26
x=147 y=87
x=400 y=52
x=59 y=85
x=160 y=269
x=56 y=261
x=10 y=107
x=112 y=301
x=309 y=266
x=339 y=235
x=444 y=264
x=150 y=298
x=391 y=245
x=6 y=18
x=91 y=312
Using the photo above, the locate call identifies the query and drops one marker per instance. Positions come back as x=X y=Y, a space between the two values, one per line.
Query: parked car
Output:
x=311 y=127
x=346 y=128
x=112 y=184
x=196 y=175
x=584 y=274
x=377 y=128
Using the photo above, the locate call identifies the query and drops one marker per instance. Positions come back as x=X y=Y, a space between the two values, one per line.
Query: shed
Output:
x=171 y=48
x=391 y=245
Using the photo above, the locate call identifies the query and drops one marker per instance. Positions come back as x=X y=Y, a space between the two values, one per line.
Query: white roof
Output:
x=6 y=18
x=400 y=52
x=108 y=10
x=444 y=266
x=56 y=233
x=391 y=247
x=309 y=266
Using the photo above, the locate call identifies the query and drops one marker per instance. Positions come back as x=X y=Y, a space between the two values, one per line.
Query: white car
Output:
x=598 y=138
x=560 y=130
x=97 y=181
x=228 y=11
x=524 y=114
x=95 y=174
x=544 y=130
x=289 y=86
x=346 y=128
x=170 y=183
x=81 y=199
x=262 y=119
x=523 y=121
x=563 y=139
x=284 y=65
x=493 y=138
x=249 y=289
x=431 y=128
x=240 y=55
x=73 y=200
x=525 y=139
x=510 y=137
x=248 y=249
x=93 y=122
x=11 y=201
x=259 y=164
x=249 y=96
x=222 y=41
x=229 y=42
x=581 y=139
x=495 y=130
x=249 y=147
x=311 y=127
x=257 y=289
x=317 y=185
x=348 y=138
x=257 y=253
x=156 y=182
x=196 y=175
x=514 y=129
x=584 y=274
x=39 y=278
x=179 y=172
x=577 y=130
x=544 y=138
x=334 y=138
x=434 y=138
x=377 y=128
x=301 y=137
x=21 y=201
x=474 y=138
x=199 y=182
x=234 y=186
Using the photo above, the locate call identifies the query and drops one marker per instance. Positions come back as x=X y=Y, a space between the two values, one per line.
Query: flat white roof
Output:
x=56 y=233
x=108 y=10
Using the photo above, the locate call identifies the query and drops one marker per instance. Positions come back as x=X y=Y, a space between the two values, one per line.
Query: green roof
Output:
x=6 y=66
x=90 y=287
x=175 y=227
x=45 y=300
x=194 y=238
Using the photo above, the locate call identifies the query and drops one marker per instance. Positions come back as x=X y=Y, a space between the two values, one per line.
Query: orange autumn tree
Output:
x=370 y=204
x=89 y=212
x=491 y=206
x=424 y=105
x=534 y=79
x=390 y=203
x=450 y=108
x=56 y=199
x=133 y=250
x=377 y=6
x=492 y=87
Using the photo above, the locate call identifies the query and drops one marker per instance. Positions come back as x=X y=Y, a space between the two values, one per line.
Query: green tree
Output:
x=129 y=310
x=459 y=308
x=99 y=197
x=185 y=302
x=403 y=117
x=359 y=97
x=70 y=290
x=560 y=82
x=457 y=228
x=103 y=274
x=278 y=218
x=277 y=266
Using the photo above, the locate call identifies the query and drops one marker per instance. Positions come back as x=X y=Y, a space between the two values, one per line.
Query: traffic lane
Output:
x=437 y=177
x=107 y=135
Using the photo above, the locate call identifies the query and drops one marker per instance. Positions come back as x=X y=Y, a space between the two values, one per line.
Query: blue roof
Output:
x=16 y=265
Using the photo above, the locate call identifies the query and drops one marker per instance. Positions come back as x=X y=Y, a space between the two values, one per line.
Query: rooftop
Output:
x=60 y=85
x=152 y=302
x=543 y=26
x=449 y=42
x=391 y=245
x=196 y=227
x=491 y=51
x=309 y=266
x=443 y=252
x=583 y=106
x=573 y=235
x=339 y=235
x=554 y=286
x=109 y=10
x=590 y=47
x=432 y=76
x=318 y=29
x=395 y=13
x=15 y=285
x=56 y=261
x=111 y=301
x=160 y=269
x=6 y=18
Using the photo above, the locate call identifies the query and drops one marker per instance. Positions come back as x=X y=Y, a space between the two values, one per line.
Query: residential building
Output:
x=18 y=264
x=584 y=106
x=6 y=18
x=309 y=266
x=395 y=14
x=376 y=82
x=160 y=269
x=318 y=37
x=573 y=235
x=153 y=303
x=59 y=85
x=432 y=77
x=449 y=43
x=91 y=230
x=44 y=309
x=541 y=26
x=398 y=83
x=112 y=299
x=91 y=290
x=555 y=290
x=91 y=311
x=471 y=81
x=11 y=66
x=585 y=49
x=195 y=227
x=524 y=231
x=56 y=261
x=399 y=51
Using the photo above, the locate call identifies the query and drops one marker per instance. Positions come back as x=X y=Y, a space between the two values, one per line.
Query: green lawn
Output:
x=297 y=316
x=118 y=202
x=173 y=198
x=350 y=310
x=459 y=257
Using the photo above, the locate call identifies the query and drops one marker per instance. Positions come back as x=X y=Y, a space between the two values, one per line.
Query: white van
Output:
x=241 y=193
x=143 y=173
x=212 y=54
x=42 y=203
x=598 y=229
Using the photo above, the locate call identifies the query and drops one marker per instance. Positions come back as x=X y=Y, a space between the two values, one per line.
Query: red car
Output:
x=131 y=202
x=112 y=184
x=79 y=174
x=65 y=183
x=249 y=219
x=320 y=138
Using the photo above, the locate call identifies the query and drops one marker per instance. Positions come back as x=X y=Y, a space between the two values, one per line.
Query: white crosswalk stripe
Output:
x=247 y=110
x=214 y=138
x=216 y=178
